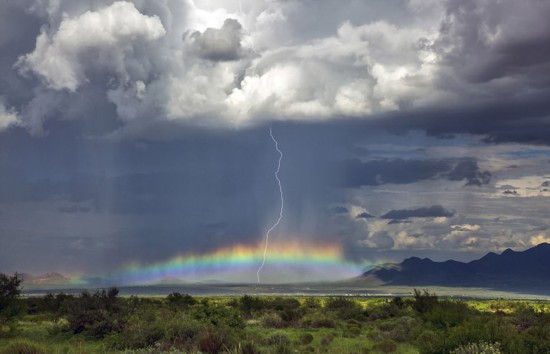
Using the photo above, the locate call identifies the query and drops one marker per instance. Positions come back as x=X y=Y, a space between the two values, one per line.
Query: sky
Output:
x=134 y=135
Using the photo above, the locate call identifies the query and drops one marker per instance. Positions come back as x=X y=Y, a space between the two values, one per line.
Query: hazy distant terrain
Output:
x=517 y=275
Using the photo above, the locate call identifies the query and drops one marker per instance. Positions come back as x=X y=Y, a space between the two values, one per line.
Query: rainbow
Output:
x=286 y=263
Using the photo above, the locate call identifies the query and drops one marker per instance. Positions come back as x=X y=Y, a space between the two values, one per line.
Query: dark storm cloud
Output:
x=469 y=170
x=489 y=60
x=400 y=171
x=425 y=212
x=496 y=55
x=484 y=41
x=364 y=216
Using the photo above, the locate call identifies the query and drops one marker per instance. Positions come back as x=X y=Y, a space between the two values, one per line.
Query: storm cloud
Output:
x=435 y=211
x=399 y=171
x=412 y=65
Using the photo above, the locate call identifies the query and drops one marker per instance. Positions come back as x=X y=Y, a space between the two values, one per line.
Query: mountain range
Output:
x=529 y=269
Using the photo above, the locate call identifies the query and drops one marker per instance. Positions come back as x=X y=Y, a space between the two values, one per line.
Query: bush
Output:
x=278 y=338
x=218 y=315
x=429 y=342
x=311 y=303
x=272 y=321
x=148 y=327
x=478 y=348
x=213 y=341
x=353 y=329
x=180 y=300
x=251 y=303
x=424 y=301
x=98 y=314
x=404 y=329
x=283 y=303
x=306 y=338
x=386 y=346
x=447 y=313
x=345 y=308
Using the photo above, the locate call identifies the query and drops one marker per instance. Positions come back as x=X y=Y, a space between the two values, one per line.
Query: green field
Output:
x=104 y=322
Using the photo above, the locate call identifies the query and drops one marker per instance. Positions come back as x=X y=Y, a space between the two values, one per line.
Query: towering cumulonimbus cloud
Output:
x=104 y=41
x=207 y=63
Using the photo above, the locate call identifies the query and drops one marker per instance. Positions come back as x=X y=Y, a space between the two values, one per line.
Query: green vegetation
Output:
x=104 y=322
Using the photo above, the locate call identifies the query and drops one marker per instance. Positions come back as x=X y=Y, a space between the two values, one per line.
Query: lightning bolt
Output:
x=282 y=203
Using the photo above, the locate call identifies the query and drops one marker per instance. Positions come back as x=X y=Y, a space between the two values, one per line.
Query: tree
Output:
x=9 y=305
x=9 y=290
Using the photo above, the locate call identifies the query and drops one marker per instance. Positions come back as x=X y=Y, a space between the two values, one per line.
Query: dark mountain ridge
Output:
x=508 y=270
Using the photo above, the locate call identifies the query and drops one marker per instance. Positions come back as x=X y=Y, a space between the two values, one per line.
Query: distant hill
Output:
x=510 y=270
x=51 y=278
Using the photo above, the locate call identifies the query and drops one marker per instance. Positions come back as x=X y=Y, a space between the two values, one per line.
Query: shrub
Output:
x=272 y=321
x=306 y=338
x=218 y=315
x=447 y=313
x=148 y=327
x=478 y=348
x=246 y=348
x=98 y=314
x=213 y=341
x=278 y=338
x=404 y=329
x=429 y=342
x=337 y=303
x=398 y=302
x=283 y=303
x=251 y=303
x=424 y=301
x=178 y=299
x=386 y=346
x=311 y=303
x=318 y=320
x=182 y=331
x=352 y=330
x=345 y=308
x=143 y=329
